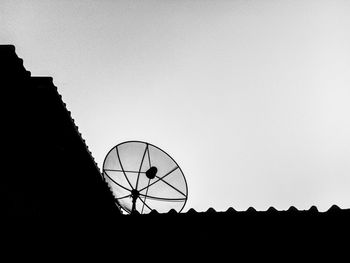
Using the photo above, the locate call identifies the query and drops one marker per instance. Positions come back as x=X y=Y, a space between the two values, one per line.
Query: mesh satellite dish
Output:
x=144 y=178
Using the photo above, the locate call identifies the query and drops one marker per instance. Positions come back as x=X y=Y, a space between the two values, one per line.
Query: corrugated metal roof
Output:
x=225 y=232
x=334 y=209
x=46 y=83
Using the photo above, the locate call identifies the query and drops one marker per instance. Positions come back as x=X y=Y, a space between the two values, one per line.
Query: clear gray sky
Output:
x=251 y=98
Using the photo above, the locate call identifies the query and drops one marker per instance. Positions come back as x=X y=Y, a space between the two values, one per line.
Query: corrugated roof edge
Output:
x=8 y=50
x=251 y=210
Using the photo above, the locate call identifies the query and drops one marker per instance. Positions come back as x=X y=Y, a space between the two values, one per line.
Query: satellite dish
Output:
x=144 y=178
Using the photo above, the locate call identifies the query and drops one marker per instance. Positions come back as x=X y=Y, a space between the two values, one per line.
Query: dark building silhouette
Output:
x=51 y=187
x=51 y=173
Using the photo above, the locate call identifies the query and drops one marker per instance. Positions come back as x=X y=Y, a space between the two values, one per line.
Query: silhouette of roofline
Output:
x=46 y=82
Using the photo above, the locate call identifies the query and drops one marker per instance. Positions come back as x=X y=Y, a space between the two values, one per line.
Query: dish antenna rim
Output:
x=133 y=210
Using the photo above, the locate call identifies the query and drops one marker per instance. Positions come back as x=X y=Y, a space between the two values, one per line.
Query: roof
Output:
x=51 y=177
x=52 y=172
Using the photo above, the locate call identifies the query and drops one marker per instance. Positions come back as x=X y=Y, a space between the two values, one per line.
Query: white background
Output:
x=251 y=98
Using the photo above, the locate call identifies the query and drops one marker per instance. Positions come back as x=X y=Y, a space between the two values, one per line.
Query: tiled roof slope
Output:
x=51 y=173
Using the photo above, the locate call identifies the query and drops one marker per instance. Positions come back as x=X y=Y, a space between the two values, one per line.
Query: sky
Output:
x=251 y=98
